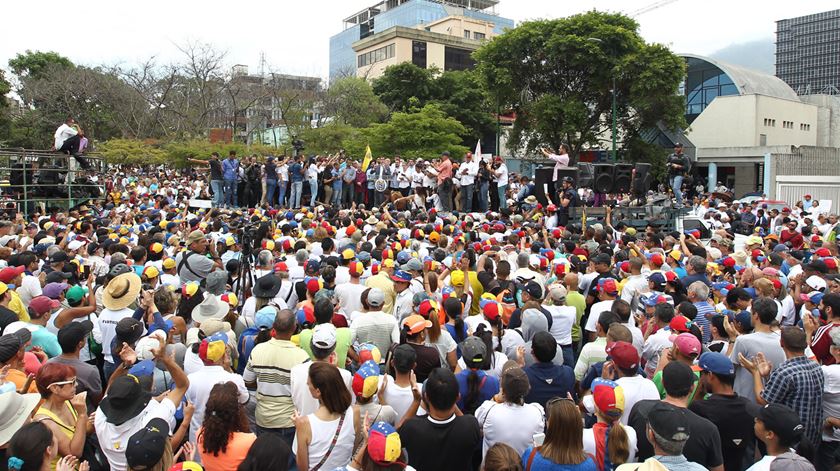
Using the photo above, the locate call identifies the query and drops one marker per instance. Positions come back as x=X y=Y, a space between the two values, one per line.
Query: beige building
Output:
x=446 y=44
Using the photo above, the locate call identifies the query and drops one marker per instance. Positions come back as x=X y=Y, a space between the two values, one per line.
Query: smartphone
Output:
x=539 y=438
x=85 y=271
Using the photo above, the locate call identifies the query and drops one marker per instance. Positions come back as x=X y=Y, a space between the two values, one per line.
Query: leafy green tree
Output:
x=351 y=101
x=424 y=133
x=132 y=151
x=404 y=86
x=461 y=95
x=328 y=139
x=557 y=76
x=5 y=111
x=34 y=64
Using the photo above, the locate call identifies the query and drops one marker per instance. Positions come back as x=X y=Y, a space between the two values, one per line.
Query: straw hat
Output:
x=212 y=307
x=122 y=291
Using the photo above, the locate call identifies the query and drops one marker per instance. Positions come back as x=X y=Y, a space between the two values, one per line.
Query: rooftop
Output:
x=751 y=82
x=385 y=5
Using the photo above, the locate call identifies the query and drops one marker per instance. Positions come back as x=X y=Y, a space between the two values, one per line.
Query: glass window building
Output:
x=808 y=52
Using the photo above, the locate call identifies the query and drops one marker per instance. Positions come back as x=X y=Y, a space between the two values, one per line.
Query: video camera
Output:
x=298 y=145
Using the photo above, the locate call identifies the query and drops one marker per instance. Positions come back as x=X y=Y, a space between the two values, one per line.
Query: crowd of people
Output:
x=399 y=326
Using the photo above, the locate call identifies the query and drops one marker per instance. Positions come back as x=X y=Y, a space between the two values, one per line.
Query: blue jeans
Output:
x=676 y=185
x=336 y=196
x=483 y=195
x=230 y=193
x=281 y=193
x=466 y=198
x=270 y=185
x=218 y=187
x=313 y=190
x=297 y=192
x=502 y=199
x=568 y=355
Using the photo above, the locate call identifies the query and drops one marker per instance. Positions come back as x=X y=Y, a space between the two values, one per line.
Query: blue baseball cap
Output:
x=142 y=368
x=717 y=363
x=264 y=318
x=403 y=257
x=744 y=318
x=658 y=279
x=401 y=276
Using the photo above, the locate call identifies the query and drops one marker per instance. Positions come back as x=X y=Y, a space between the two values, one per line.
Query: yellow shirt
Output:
x=384 y=283
x=17 y=306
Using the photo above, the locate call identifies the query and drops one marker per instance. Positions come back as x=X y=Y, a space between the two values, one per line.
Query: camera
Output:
x=297 y=144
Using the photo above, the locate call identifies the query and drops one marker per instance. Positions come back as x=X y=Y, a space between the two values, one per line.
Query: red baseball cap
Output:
x=680 y=324
x=657 y=259
x=42 y=305
x=426 y=307
x=822 y=252
x=492 y=310
x=623 y=354
x=9 y=273
x=281 y=266
x=356 y=268
x=670 y=276
x=830 y=262
x=608 y=285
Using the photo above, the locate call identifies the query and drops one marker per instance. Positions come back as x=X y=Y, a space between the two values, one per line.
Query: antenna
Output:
x=262 y=63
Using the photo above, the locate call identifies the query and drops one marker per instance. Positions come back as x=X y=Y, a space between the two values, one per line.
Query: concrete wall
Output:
x=741 y=120
x=375 y=70
x=455 y=26
x=828 y=129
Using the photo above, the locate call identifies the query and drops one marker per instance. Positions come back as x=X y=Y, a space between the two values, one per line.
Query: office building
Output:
x=421 y=15
x=808 y=53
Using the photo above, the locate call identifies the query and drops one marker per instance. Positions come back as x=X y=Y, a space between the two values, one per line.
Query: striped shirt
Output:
x=704 y=309
x=375 y=327
x=270 y=366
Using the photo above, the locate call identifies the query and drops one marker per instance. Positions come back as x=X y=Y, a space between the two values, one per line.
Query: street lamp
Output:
x=614 y=122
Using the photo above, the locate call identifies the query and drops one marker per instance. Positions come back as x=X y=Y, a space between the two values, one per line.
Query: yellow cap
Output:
x=151 y=272
x=169 y=263
x=456 y=278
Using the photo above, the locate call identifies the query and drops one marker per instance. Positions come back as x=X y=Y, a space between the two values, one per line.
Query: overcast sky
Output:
x=295 y=35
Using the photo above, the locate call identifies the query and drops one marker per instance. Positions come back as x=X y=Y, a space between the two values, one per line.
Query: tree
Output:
x=557 y=76
x=5 y=109
x=462 y=95
x=404 y=86
x=33 y=64
x=424 y=133
x=351 y=101
x=329 y=139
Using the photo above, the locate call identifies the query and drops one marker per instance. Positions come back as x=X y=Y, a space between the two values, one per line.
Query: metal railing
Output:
x=31 y=179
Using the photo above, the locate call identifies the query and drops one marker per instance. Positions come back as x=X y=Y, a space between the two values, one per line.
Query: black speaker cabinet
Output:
x=622 y=178
x=603 y=176
x=642 y=180
x=544 y=182
x=586 y=175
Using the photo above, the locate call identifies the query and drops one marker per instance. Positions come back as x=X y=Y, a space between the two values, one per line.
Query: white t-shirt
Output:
x=595 y=312
x=503 y=175
x=350 y=297
x=499 y=359
x=107 y=321
x=763 y=464
x=589 y=442
x=831 y=398
x=511 y=424
x=445 y=344
x=562 y=319
x=63 y=133
x=113 y=439
x=399 y=398
x=305 y=404
x=636 y=388
x=201 y=382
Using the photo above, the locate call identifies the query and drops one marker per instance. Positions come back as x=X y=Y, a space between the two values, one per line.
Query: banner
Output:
x=367 y=160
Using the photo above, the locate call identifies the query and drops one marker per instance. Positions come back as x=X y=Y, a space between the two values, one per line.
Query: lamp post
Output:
x=614 y=106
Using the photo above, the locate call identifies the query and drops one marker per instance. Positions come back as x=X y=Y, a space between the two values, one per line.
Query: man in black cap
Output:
x=779 y=428
x=73 y=337
x=677 y=167
x=602 y=263
x=668 y=431
x=703 y=444
x=57 y=261
x=127 y=407
x=568 y=200
x=532 y=291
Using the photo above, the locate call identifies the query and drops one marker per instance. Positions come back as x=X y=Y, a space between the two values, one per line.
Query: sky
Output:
x=294 y=36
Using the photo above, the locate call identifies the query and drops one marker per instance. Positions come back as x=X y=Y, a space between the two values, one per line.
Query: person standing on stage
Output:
x=560 y=161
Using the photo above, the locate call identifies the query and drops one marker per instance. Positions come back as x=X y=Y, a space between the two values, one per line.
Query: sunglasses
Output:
x=63 y=383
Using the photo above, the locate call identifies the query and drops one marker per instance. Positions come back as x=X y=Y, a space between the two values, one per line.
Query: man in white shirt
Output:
x=500 y=171
x=466 y=176
x=660 y=339
x=282 y=182
x=214 y=353
x=350 y=294
x=323 y=351
x=375 y=326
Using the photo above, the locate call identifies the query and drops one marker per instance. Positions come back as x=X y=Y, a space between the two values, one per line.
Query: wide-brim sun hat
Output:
x=267 y=286
x=212 y=307
x=122 y=291
x=14 y=410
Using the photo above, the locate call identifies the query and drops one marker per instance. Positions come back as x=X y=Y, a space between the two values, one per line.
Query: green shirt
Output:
x=657 y=380
x=577 y=301
x=342 y=343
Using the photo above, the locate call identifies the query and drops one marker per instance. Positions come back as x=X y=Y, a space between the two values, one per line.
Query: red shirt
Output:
x=821 y=344
x=795 y=238
x=444 y=170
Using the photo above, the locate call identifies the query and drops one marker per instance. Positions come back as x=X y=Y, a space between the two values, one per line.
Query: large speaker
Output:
x=622 y=178
x=586 y=175
x=603 y=177
x=642 y=179
x=544 y=182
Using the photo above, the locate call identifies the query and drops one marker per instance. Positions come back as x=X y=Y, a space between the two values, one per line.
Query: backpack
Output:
x=507 y=300
x=244 y=347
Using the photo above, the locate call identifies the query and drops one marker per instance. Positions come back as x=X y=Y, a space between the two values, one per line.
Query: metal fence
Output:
x=39 y=180
x=806 y=160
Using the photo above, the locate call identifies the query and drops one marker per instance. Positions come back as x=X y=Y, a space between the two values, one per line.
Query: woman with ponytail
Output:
x=495 y=361
x=438 y=338
x=608 y=441
x=455 y=320
x=475 y=385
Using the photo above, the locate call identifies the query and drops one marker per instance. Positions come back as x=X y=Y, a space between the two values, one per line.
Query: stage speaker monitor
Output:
x=586 y=175
x=623 y=178
x=642 y=180
x=603 y=174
